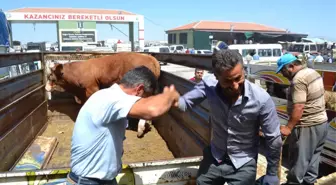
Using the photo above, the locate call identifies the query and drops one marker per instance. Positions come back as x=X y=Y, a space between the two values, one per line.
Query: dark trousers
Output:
x=74 y=179
x=211 y=172
x=305 y=146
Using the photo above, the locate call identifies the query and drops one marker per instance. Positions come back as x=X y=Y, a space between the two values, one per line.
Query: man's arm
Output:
x=193 y=97
x=154 y=106
x=296 y=115
x=133 y=106
x=299 y=97
x=270 y=126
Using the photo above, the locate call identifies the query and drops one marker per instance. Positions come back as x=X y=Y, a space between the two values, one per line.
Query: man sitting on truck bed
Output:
x=99 y=131
x=238 y=108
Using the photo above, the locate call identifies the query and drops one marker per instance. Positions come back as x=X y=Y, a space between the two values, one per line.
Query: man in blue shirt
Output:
x=238 y=109
x=99 y=131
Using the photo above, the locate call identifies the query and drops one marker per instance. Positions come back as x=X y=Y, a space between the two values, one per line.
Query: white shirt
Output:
x=97 y=140
x=319 y=58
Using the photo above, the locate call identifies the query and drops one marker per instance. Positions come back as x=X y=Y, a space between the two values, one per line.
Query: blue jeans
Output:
x=73 y=179
x=213 y=173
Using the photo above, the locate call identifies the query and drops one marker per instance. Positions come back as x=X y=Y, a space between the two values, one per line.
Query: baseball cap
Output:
x=284 y=60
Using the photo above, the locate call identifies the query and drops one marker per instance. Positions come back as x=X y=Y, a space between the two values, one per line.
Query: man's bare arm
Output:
x=154 y=106
x=296 y=115
x=299 y=95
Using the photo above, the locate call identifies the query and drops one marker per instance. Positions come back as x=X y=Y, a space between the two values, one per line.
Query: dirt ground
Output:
x=150 y=147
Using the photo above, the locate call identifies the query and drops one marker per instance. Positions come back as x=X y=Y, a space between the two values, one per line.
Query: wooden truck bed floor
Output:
x=150 y=147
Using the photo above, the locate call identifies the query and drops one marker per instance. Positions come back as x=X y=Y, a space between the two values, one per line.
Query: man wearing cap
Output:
x=307 y=125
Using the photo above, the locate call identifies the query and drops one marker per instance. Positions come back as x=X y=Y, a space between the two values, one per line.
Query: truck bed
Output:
x=149 y=148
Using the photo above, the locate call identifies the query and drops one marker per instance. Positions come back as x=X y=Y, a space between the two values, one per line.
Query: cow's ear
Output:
x=58 y=70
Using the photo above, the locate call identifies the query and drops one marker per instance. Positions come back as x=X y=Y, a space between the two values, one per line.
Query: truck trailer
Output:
x=36 y=129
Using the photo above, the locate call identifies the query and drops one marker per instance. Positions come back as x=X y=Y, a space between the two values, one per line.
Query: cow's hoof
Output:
x=191 y=181
x=142 y=132
x=78 y=101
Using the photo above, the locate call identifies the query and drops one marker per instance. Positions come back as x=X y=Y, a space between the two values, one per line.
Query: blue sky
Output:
x=314 y=17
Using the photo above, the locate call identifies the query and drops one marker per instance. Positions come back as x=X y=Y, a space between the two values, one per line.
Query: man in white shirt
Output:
x=99 y=131
x=319 y=58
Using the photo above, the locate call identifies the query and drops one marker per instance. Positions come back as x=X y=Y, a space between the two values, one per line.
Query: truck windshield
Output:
x=16 y=43
x=296 y=48
x=33 y=47
x=179 y=47
x=164 y=50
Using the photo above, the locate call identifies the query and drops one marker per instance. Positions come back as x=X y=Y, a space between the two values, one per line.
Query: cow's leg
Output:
x=85 y=95
x=91 y=90
x=133 y=124
x=143 y=128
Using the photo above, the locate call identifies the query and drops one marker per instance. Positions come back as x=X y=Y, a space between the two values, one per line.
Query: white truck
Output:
x=177 y=49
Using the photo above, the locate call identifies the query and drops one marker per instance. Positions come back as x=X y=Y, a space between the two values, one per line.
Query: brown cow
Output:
x=82 y=79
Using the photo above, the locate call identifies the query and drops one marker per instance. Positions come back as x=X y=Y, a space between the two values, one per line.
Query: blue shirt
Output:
x=255 y=57
x=235 y=128
x=99 y=131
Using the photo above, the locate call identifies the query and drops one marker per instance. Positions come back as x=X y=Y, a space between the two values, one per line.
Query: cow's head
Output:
x=55 y=80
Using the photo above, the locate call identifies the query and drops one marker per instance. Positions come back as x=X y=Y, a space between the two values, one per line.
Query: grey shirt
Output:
x=236 y=127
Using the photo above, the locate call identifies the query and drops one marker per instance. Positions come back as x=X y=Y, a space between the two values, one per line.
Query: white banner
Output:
x=70 y=17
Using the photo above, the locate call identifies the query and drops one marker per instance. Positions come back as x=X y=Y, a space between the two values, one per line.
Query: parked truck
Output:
x=38 y=46
x=35 y=130
x=17 y=46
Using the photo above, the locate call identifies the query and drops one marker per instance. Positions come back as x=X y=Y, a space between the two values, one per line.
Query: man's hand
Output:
x=171 y=91
x=285 y=130
x=154 y=106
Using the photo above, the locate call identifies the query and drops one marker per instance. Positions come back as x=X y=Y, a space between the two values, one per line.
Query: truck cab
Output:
x=17 y=46
x=35 y=47
x=177 y=48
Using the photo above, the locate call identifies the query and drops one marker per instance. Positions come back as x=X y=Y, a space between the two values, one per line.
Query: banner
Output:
x=15 y=16
x=4 y=30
